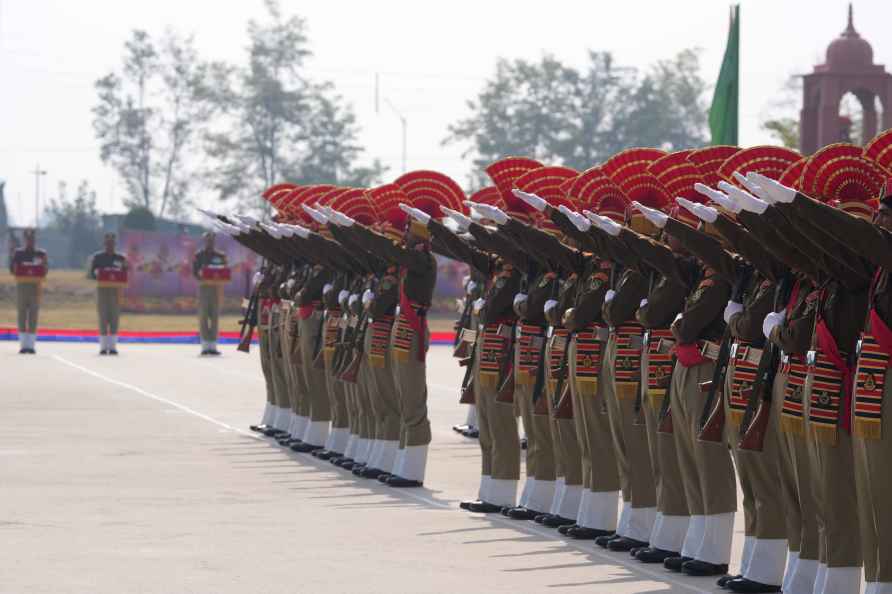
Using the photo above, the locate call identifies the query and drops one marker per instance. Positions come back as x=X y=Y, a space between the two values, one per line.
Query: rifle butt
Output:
x=753 y=438
x=714 y=428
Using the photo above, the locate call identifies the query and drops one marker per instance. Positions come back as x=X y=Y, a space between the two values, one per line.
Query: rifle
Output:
x=506 y=389
x=459 y=346
x=645 y=357
x=563 y=403
x=712 y=420
x=467 y=384
x=350 y=370
x=758 y=409
x=540 y=404
x=249 y=322
x=665 y=424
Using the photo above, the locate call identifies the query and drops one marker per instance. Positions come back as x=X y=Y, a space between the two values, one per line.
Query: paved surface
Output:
x=138 y=474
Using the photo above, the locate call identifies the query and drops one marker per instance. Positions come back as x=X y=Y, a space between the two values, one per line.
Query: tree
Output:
x=78 y=218
x=560 y=115
x=4 y=216
x=148 y=117
x=280 y=125
x=783 y=121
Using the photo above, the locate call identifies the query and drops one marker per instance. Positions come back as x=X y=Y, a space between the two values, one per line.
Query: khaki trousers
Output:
x=540 y=462
x=872 y=473
x=794 y=478
x=108 y=305
x=763 y=510
x=315 y=381
x=629 y=440
x=27 y=306
x=277 y=362
x=567 y=452
x=209 y=311
x=410 y=377
x=497 y=422
x=339 y=402
x=382 y=393
x=706 y=469
x=265 y=364
x=593 y=431
x=833 y=483
x=671 y=499
x=293 y=376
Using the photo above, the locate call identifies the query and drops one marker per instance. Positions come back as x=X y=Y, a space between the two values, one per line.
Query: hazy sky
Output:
x=431 y=56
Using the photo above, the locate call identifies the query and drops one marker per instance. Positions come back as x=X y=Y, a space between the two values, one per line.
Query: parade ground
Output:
x=139 y=474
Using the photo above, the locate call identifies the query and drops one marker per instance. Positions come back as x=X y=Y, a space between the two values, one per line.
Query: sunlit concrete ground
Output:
x=138 y=474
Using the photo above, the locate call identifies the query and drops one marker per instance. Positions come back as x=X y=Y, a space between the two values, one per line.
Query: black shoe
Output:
x=567 y=527
x=482 y=507
x=741 y=584
x=557 y=522
x=256 y=428
x=540 y=519
x=323 y=454
x=384 y=477
x=398 y=481
x=205 y=353
x=725 y=579
x=23 y=351
x=472 y=433
x=346 y=464
x=505 y=509
x=112 y=351
x=214 y=353
x=523 y=513
x=603 y=541
x=699 y=568
x=635 y=550
x=523 y=443
x=305 y=448
x=272 y=431
x=625 y=544
x=583 y=533
x=674 y=563
x=358 y=469
x=460 y=428
x=103 y=352
x=466 y=505
x=371 y=473
x=654 y=555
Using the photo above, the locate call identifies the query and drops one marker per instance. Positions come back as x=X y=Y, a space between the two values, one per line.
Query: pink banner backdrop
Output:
x=161 y=278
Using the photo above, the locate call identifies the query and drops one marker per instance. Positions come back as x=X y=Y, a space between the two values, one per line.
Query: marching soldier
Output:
x=109 y=269
x=29 y=265
x=210 y=269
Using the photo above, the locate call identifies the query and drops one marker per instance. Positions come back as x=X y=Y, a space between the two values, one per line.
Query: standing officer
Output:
x=109 y=269
x=29 y=265
x=211 y=270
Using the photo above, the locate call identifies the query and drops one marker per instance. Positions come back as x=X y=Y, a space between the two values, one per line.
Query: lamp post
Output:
x=38 y=172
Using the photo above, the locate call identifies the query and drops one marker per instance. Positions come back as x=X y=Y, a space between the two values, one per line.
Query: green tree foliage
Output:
x=562 y=115
x=148 y=116
x=78 y=218
x=4 y=216
x=280 y=124
x=782 y=119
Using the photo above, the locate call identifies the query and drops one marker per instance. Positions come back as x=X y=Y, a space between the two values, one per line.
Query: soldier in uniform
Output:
x=29 y=265
x=108 y=294
x=209 y=294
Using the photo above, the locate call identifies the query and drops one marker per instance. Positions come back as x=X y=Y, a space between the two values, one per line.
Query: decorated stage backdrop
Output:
x=161 y=278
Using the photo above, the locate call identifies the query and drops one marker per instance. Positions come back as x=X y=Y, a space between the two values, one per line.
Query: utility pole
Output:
x=403 y=121
x=38 y=172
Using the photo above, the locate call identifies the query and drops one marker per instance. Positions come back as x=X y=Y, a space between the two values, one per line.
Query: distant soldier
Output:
x=109 y=269
x=210 y=267
x=29 y=265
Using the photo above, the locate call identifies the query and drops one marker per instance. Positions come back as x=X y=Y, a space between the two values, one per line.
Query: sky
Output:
x=430 y=58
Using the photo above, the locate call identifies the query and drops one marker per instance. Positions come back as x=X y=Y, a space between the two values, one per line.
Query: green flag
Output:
x=723 y=111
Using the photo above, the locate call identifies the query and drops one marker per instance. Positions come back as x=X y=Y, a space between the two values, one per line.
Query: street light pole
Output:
x=37 y=173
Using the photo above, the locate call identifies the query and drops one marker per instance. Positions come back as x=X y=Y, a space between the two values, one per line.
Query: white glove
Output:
x=492 y=213
x=247 y=219
x=520 y=298
x=285 y=230
x=677 y=318
x=579 y=221
x=344 y=298
x=778 y=191
x=643 y=302
x=315 y=214
x=367 y=297
x=654 y=216
x=609 y=295
x=731 y=309
x=301 y=232
x=419 y=215
x=744 y=199
x=326 y=288
x=549 y=305
x=341 y=219
x=208 y=214
x=771 y=320
x=608 y=226
x=221 y=227
x=271 y=230
x=460 y=219
x=752 y=187
x=478 y=305
x=469 y=288
x=531 y=199
x=718 y=197
x=705 y=213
